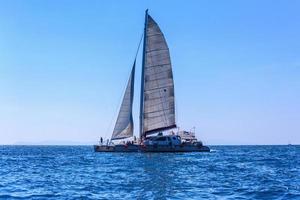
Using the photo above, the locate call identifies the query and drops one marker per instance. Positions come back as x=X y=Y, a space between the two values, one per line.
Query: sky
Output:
x=64 y=65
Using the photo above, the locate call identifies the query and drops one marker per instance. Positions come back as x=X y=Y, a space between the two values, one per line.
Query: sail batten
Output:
x=124 y=124
x=157 y=93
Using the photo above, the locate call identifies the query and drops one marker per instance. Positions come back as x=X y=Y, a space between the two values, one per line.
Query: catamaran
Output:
x=157 y=104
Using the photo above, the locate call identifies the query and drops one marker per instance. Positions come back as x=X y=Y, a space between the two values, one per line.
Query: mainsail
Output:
x=157 y=92
x=124 y=125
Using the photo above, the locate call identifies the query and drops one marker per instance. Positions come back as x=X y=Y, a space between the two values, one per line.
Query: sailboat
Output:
x=157 y=104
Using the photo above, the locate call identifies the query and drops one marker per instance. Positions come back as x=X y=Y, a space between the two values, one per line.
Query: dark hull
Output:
x=117 y=148
x=151 y=148
x=177 y=148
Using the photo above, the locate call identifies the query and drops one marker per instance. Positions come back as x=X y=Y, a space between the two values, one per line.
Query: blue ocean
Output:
x=76 y=172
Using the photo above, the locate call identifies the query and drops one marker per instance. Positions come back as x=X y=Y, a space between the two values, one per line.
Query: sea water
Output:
x=77 y=172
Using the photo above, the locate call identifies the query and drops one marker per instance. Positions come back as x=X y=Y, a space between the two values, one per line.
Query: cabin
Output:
x=163 y=140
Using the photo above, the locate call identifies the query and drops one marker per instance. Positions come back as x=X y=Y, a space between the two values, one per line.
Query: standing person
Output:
x=101 y=140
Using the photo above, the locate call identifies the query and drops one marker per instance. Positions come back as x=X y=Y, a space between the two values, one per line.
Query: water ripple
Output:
x=76 y=172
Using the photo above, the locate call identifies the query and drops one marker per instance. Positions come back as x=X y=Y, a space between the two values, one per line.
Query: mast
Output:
x=143 y=77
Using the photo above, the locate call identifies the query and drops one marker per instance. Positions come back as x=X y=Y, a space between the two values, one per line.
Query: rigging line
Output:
x=137 y=51
x=116 y=112
x=115 y=115
x=120 y=98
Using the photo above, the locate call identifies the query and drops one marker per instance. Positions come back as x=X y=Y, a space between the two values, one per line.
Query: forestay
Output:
x=158 y=106
x=124 y=124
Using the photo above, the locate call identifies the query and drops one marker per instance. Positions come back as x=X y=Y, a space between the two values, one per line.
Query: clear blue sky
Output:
x=64 y=66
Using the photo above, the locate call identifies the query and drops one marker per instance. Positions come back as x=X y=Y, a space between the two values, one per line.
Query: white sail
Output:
x=158 y=107
x=124 y=124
